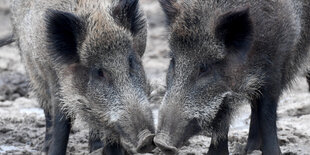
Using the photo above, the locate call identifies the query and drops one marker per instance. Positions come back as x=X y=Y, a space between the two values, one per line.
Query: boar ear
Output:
x=235 y=29
x=64 y=33
x=170 y=8
x=128 y=14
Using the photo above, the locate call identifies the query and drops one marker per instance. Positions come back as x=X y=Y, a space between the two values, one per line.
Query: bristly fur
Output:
x=64 y=33
x=170 y=10
x=235 y=29
x=253 y=50
x=129 y=15
x=77 y=56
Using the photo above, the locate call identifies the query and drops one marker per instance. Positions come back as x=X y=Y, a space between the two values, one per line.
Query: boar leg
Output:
x=308 y=79
x=95 y=142
x=114 y=149
x=44 y=99
x=219 y=146
x=61 y=129
x=48 y=134
x=266 y=121
x=267 y=113
x=220 y=124
x=255 y=138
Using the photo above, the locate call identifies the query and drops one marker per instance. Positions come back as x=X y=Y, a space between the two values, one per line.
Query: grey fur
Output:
x=278 y=46
x=118 y=110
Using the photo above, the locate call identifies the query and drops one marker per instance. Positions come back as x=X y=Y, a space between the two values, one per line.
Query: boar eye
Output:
x=131 y=62
x=100 y=73
x=172 y=63
x=203 y=70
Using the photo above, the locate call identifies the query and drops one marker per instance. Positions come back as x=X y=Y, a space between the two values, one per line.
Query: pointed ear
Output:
x=171 y=9
x=65 y=33
x=128 y=14
x=235 y=29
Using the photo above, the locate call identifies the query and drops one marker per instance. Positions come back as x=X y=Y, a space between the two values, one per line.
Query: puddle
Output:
x=37 y=111
x=5 y=148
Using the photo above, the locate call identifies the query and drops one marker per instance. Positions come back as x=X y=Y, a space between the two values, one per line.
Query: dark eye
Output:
x=172 y=62
x=203 y=70
x=170 y=73
x=100 y=73
x=131 y=62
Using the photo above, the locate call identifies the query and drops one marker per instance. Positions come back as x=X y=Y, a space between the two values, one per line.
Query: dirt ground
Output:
x=22 y=124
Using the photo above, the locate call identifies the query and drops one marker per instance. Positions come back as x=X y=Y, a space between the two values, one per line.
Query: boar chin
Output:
x=174 y=129
x=145 y=143
x=178 y=123
x=169 y=141
x=136 y=130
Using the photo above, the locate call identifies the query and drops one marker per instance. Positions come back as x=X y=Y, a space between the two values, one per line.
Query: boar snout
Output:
x=136 y=128
x=162 y=141
x=168 y=142
x=175 y=127
x=145 y=143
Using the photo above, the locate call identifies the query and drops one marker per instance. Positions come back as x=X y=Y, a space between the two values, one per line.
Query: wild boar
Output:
x=225 y=52
x=83 y=57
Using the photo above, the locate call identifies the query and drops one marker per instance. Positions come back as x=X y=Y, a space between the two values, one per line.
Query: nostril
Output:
x=146 y=148
x=164 y=147
x=145 y=144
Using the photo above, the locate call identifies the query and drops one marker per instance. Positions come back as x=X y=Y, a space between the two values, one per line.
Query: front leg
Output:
x=255 y=137
x=308 y=79
x=267 y=117
x=219 y=146
x=61 y=125
x=220 y=125
x=95 y=142
x=48 y=131
x=60 y=133
x=114 y=149
x=263 y=128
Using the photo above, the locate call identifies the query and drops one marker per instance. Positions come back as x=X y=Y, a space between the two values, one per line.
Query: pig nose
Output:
x=145 y=144
x=162 y=143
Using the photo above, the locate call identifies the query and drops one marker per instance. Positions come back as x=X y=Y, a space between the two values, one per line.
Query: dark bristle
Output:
x=235 y=29
x=170 y=10
x=63 y=34
x=136 y=17
x=129 y=15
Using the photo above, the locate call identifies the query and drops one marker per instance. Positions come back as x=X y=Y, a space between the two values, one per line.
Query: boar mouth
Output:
x=136 y=131
x=178 y=124
x=168 y=142
x=145 y=143
x=162 y=141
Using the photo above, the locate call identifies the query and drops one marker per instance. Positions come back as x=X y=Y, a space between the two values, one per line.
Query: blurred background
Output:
x=22 y=124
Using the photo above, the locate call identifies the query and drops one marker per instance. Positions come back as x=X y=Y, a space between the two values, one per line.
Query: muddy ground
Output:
x=22 y=122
